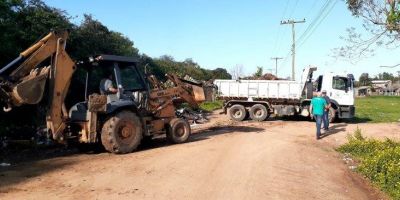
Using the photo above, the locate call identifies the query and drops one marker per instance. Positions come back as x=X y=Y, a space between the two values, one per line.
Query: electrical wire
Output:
x=319 y=23
x=278 y=36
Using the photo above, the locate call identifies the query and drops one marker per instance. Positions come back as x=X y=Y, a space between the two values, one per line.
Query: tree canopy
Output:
x=24 y=21
x=381 y=23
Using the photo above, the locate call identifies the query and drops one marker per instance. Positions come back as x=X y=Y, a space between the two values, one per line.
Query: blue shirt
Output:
x=105 y=85
x=318 y=104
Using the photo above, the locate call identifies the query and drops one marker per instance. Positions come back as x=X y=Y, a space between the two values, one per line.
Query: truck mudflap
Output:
x=347 y=112
x=224 y=109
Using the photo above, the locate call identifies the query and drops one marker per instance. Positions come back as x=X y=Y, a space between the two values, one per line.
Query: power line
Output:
x=278 y=36
x=319 y=23
x=312 y=7
x=312 y=24
x=294 y=8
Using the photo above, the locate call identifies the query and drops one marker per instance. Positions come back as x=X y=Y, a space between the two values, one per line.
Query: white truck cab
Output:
x=340 y=89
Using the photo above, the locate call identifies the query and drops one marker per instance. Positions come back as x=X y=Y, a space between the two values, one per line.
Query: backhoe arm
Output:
x=25 y=79
x=161 y=100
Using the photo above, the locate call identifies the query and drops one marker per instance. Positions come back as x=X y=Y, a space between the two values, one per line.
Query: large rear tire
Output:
x=237 y=112
x=258 y=112
x=178 y=131
x=122 y=133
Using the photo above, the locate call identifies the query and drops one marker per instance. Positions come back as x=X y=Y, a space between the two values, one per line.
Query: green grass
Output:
x=211 y=106
x=378 y=160
x=378 y=109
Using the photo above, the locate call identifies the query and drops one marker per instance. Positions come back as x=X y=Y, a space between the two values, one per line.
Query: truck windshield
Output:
x=340 y=83
x=130 y=79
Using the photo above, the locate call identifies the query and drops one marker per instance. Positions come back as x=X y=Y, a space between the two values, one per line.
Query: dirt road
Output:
x=223 y=160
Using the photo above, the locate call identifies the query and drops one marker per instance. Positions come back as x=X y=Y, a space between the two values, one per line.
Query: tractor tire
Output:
x=122 y=133
x=332 y=115
x=178 y=131
x=237 y=112
x=258 y=112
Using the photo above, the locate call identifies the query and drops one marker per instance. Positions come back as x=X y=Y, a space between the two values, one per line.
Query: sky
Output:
x=229 y=33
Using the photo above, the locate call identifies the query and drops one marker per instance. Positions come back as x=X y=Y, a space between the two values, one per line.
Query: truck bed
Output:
x=258 y=89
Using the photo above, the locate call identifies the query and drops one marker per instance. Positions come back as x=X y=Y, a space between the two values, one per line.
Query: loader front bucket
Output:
x=198 y=93
x=31 y=89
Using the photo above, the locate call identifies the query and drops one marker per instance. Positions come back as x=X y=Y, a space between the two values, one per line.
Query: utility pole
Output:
x=293 y=22
x=276 y=65
x=398 y=77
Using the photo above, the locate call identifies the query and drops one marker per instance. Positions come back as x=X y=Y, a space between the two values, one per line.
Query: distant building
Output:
x=381 y=83
x=363 y=91
x=379 y=87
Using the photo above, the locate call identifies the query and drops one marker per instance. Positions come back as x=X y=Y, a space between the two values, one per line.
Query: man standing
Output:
x=317 y=107
x=325 y=118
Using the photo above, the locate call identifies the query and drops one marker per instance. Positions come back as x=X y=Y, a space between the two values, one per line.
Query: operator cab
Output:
x=125 y=76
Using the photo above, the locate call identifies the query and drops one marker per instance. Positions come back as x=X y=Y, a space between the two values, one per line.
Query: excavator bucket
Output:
x=30 y=90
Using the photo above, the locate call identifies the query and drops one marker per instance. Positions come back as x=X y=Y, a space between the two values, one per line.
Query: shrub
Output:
x=379 y=161
x=210 y=106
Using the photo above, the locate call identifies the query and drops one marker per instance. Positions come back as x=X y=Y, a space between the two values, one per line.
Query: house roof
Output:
x=363 y=87
x=380 y=81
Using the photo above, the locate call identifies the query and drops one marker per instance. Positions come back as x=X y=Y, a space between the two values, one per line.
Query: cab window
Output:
x=130 y=79
x=339 y=83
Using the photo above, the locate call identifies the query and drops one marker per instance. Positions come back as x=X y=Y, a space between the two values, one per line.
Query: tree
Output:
x=167 y=58
x=91 y=37
x=381 y=20
x=220 y=73
x=259 y=72
x=385 y=76
x=23 y=22
x=364 y=80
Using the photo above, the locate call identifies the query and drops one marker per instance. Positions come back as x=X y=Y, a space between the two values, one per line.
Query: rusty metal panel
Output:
x=198 y=93
x=92 y=127
x=97 y=103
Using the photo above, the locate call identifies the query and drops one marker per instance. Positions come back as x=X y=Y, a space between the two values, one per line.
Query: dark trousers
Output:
x=318 y=120
x=325 y=119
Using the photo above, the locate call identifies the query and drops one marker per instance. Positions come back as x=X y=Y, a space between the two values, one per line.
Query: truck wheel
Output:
x=332 y=115
x=258 y=112
x=122 y=133
x=178 y=131
x=237 y=112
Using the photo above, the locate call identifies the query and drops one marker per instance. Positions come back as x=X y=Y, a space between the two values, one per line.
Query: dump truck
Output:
x=141 y=107
x=258 y=99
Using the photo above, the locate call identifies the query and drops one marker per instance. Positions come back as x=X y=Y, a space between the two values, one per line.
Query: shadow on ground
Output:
x=356 y=120
x=30 y=163
x=200 y=135
x=336 y=128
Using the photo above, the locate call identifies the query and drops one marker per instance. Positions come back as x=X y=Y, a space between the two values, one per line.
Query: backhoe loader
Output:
x=140 y=108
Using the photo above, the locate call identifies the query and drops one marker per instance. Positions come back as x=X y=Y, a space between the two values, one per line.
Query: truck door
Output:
x=342 y=90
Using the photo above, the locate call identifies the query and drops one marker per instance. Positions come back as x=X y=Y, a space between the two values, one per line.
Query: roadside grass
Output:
x=378 y=160
x=377 y=109
x=211 y=105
